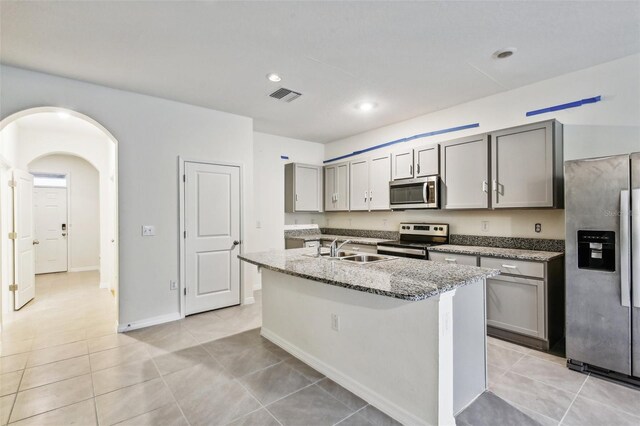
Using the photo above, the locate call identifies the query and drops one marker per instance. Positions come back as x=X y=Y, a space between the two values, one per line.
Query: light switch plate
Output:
x=148 y=230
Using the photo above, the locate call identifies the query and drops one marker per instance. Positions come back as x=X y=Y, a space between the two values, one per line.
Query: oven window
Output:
x=407 y=194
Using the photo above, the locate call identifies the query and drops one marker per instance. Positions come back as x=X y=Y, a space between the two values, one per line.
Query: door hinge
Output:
x=13 y=287
x=13 y=235
x=12 y=183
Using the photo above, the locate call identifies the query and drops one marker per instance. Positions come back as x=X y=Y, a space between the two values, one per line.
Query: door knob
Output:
x=236 y=242
x=36 y=242
x=64 y=234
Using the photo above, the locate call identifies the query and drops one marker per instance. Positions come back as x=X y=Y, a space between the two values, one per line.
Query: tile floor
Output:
x=63 y=363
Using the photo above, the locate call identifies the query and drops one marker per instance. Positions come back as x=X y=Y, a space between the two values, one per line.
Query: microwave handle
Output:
x=424 y=192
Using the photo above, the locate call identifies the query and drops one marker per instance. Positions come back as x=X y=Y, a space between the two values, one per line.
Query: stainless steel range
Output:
x=415 y=239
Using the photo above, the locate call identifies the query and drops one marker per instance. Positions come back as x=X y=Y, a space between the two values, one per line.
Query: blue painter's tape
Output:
x=284 y=157
x=407 y=139
x=565 y=106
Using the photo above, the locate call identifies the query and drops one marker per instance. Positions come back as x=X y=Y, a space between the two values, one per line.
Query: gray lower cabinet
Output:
x=525 y=303
x=454 y=259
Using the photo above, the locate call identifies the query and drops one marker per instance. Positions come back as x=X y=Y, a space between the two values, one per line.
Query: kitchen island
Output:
x=406 y=335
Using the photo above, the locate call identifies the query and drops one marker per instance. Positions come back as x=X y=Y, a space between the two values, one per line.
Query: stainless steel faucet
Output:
x=334 y=247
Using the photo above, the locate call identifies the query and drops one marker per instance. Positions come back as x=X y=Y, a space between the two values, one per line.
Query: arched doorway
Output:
x=31 y=135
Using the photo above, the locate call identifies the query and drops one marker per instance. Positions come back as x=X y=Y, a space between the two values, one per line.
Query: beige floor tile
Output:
x=169 y=415
x=549 y=357
x=120 y=376
x=116 y=356
x=6 y=402
x=132 y=401
x=109 y=342
x=13 y=362
x=171 y=343
x=550 y=373
x=502 y=357
x=57 y=353
x=80 y=414
x=57 y=339
x=100 y=330
x=585 y=412
x=9 y=382
x=55 y=372
x=12 y=347
x=508 y=345
x=49 y=397
x=179 y=360
x=615 y=395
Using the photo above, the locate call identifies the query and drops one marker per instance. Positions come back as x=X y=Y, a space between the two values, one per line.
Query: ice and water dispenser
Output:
x=597 y=250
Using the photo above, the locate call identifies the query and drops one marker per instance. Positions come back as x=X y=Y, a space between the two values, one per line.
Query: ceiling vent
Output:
x=285 y=95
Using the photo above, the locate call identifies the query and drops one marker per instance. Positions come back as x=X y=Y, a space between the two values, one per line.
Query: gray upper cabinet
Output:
x=465 y=173
x=336 y=187
x=526 y=166
x=359 y=185
x=402 y=164
x=303 y=188
x=427 y=161
x=379 y=177
x=369 y=183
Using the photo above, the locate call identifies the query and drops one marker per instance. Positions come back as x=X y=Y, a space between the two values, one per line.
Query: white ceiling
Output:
x=53 y=122
x=410 y=57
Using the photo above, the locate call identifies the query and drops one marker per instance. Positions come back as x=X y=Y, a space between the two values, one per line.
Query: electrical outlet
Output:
x=148 y=230
x=484 y=225
x=538 y=227
x=173 y=285
x=335 y=322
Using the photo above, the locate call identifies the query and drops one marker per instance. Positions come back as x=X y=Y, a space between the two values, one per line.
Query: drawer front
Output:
x=517 y=304
x=360 y=248
x=315 y=243
x=514 y=267
x=454 y=259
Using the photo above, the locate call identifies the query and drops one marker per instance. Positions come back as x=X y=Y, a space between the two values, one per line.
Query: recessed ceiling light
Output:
x=274 y=77
x=504 y=53
x=64 y=115
x=366 y=106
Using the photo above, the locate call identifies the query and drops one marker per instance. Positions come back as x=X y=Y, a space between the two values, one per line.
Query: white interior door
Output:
x=50 y=229
x=212 y=221
x=23 y=250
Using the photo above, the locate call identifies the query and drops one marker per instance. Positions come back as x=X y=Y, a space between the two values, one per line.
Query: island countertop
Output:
x=504 y=253
x=401 y=278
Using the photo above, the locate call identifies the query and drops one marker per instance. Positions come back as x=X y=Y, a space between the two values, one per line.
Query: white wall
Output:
x=84 y=207
x=151 y=134
x=268 y=186
x=605 y=128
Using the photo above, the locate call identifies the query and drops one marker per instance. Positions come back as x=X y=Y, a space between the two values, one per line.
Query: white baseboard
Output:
x=249 y=300
x=364 y=392
x=149 y=322
x=84 y=269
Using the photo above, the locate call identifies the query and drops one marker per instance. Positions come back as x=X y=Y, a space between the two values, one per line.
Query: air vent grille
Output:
x=285 y=95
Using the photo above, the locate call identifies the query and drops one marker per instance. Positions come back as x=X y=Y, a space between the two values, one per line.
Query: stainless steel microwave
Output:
x=421 y=193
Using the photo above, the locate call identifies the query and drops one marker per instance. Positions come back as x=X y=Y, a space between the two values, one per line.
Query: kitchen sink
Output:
x=341 y=254
x=367 y=258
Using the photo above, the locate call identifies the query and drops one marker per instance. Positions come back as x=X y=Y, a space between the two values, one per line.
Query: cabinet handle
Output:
x=509 y=266
x=370 y=195
x=411 y=169
x=365 y=196
x=450 y=260
x=296 y=197
x=485 y=186
x=496 y=187
x=418 y=168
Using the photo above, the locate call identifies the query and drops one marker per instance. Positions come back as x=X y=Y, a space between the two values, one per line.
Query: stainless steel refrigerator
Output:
x=602 y=213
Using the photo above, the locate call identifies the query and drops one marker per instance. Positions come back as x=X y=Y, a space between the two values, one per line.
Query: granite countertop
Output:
x=402 y=278
x=341 y=238
x=504 y=253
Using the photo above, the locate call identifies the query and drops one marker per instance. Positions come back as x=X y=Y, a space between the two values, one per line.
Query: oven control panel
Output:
x=432 y=229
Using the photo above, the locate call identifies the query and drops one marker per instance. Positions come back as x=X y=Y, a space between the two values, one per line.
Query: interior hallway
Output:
x=62 y=361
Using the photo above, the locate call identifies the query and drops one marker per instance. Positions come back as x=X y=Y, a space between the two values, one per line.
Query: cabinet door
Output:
x=330 y=188
x=342 y=187
x=427 y=160
x=465 y=173
x=307 y=188
x=359 y=187
x=379 y=177
x=516 y=304
x=402 y=164
x=522 y=166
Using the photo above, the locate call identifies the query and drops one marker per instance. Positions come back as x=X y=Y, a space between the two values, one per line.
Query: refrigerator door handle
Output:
x=625 y=285
x=635 y=245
